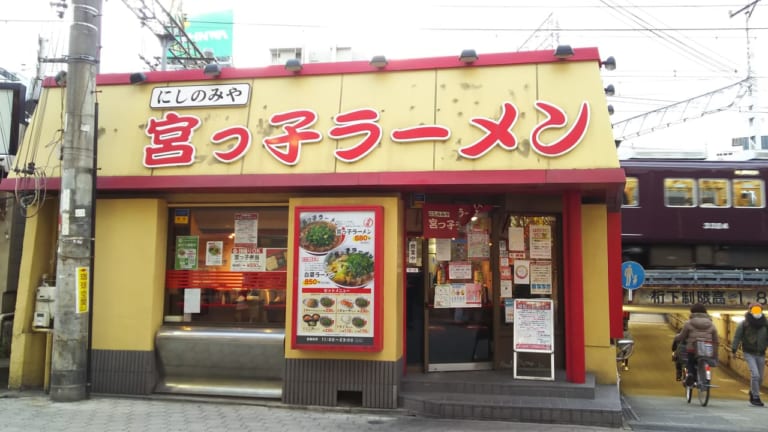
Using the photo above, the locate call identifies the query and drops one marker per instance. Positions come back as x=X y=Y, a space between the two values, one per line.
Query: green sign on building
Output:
x=212 y=30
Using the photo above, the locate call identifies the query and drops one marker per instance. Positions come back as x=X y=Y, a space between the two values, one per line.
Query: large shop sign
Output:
x=338 y=278
x=171 y=135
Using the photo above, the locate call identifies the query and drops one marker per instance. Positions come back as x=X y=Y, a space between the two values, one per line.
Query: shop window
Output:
x=679 y=192
x=714 y=193
x=748 y=193
x=631 y=192
x=227 y=266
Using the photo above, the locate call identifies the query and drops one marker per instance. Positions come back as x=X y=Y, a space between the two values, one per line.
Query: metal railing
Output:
x=706 y=277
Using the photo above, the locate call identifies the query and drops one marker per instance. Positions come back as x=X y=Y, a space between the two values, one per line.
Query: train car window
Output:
x=679 y=192
x=714 y=193
x=748 y=193
x=631 y=192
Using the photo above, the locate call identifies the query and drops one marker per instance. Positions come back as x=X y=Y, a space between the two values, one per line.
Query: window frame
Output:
x=761 y=192
x=692 y=194
x=701 y=190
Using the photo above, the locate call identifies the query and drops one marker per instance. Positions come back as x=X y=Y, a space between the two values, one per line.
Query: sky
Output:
x=667 y=51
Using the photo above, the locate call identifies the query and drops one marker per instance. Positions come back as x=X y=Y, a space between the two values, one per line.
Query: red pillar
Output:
x=575 y=368
x=615 y=293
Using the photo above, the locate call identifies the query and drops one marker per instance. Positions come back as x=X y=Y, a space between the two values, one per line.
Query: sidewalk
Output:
x=34 y=411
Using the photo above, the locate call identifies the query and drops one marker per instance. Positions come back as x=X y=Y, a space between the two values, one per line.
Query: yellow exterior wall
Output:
x=129 y=273
x=600 y=354
x=392 y=317
x=447 y=97
x=27 y=363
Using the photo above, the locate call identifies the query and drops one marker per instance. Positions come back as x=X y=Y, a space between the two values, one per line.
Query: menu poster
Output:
x=246 y=228
x=276 y=259
x=540 y=241
x=505 y=271
x=213 y=253
x=534 y=329
x=458 y=295
x=505 y=286
x=473 y=295
x=478 y=244
x=509 y=310
x=248 y=259
x=338 y=272
x=186 y=253
x=541 y=277
x=442 y=249
x=443 y=296
x=460 y=270
x=516 y=239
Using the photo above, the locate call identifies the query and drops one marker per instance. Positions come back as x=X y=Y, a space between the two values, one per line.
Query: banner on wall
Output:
x=444 y=220
x=338 y=274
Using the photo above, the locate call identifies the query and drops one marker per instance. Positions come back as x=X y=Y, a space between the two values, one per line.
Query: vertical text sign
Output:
x=81 y=301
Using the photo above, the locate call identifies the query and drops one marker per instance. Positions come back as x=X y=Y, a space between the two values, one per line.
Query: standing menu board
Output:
x=338 y=272
x=534 y=331
x=534 y=325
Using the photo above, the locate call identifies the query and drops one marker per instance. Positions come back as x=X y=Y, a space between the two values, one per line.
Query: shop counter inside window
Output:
x=227 y=265
x=246 y=299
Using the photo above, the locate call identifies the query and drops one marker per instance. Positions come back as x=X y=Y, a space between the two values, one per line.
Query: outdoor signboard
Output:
x=534 y=332
x=338 y=273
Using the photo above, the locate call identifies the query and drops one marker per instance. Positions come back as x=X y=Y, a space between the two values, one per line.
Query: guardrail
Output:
x=706 y=277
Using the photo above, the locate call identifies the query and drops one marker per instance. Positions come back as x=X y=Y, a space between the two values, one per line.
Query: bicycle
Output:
x=703 y=382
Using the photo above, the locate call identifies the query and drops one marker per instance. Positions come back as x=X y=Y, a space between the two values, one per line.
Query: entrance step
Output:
x=496 y=395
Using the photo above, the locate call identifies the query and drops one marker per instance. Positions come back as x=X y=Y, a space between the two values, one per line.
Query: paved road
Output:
x=655 y=400
x=652 y=371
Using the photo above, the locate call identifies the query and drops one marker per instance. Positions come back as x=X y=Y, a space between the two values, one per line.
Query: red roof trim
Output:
x=602 y=178
x=310 y=69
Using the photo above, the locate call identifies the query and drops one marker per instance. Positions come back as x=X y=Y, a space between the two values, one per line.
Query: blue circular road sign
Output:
x=632 y=275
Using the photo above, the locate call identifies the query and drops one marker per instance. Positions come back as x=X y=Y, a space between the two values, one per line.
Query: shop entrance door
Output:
x=458 y=309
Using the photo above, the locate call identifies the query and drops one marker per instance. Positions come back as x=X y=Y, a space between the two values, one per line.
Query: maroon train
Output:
x=683 y=214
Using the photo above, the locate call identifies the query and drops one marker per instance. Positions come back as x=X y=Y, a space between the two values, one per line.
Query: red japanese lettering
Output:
x=243 y=137
x=170 y=138
x=356 y=122
x=421 y=133
x=496 y=133
x=556 y=118
x=286 y=148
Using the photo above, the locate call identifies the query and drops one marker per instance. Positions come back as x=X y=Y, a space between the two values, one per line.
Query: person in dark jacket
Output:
x=699 y=327
x=752 y=335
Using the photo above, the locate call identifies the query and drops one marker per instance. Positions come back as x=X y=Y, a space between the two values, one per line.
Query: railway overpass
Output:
x=666 y=297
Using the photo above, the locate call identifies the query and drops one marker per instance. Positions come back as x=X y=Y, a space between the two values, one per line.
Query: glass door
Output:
x=458 y=308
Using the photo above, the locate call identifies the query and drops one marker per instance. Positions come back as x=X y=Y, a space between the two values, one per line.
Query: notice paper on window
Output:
x=192 y=300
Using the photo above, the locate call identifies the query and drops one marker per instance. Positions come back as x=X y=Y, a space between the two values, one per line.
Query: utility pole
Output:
x=753 y=120
x=69 y=361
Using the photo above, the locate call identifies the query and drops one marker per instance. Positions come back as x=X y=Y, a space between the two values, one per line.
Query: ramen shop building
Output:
x=318 y=235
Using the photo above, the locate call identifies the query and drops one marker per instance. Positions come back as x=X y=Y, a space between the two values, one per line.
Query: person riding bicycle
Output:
x=699 y=327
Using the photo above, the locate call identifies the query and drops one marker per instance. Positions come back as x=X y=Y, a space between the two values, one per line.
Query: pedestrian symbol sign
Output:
x=632 y=275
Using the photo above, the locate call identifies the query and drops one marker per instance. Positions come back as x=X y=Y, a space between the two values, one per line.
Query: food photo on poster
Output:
x=336 y=278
